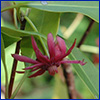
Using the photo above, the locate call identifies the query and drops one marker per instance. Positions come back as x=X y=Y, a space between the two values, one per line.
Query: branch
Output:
x=86 y=33
x=22 y=27
x=69 y=79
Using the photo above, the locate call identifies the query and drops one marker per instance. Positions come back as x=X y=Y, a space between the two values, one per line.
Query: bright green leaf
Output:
x=45 y=22
x=5 y=67
x=18 y=33
x=2 y=50
x=88 y=8
x=48 y=22
x=60 y=89
x=9 y=62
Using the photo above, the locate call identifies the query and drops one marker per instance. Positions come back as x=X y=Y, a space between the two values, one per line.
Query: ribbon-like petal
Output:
x=40 y=72
x=71 y=48
x=34 y=45
x=61 y=44
x=21 y=72
x=68 y=52
x=74 y=62
x=24 y=59
x=39 y=55
x=51 y=45
x=34 y=66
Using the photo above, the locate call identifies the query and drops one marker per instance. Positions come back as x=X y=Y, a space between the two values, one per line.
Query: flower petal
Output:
x=24 y=59
x=34 y=66
x=40 y=72
x=34 y=45
x=71 y=48
x=21 y=72
x=74 y=61
x=57 y=51
x=35 y=69
x=42 y=57
x=51 y=45
x=61 y=44
x=39 y=55
x=68 y=52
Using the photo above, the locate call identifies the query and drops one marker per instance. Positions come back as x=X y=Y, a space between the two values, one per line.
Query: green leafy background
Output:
x=50 y=18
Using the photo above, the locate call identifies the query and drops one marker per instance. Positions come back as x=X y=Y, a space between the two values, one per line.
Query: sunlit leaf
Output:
x=18 y=33
x=2 y=51
x=88 y=8
x=46 y=23
x=9 y=62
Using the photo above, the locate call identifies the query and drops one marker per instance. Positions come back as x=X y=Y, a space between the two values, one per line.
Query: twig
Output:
x=69 y=79
x=13 y=71
x=86 y=33
x=22 y=27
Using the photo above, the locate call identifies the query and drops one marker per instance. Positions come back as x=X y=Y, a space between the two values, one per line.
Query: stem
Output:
x=22 y=27
x=15 y=19
x=69 y=79
x=86 y=33
x=13 y=71
x=35 y=29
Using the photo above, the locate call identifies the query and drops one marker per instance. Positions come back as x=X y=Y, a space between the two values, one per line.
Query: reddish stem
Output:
x=22 y=27
x=86 y=33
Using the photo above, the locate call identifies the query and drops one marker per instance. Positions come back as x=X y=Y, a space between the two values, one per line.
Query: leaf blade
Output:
x=19 y=33
x=88 y=8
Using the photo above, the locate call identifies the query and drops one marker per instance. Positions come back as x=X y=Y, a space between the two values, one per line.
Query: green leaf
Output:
x=88 y=73
x=26 y=47
x=45 y=22
x=5 y=67
x=60 y=88
x=8 y=40
x=18 y=33
x=48 y=22
x=68 y=19
x=2 y=50
x=88 y=8
x=9 y=61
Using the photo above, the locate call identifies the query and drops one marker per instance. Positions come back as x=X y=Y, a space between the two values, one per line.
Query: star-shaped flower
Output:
x=57 y=52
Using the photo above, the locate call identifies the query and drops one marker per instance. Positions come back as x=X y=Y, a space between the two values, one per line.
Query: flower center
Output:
x=52 y=70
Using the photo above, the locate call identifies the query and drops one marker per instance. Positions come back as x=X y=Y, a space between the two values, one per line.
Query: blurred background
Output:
x=46 y=86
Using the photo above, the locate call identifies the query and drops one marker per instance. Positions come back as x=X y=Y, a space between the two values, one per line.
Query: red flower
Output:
x=44 y=63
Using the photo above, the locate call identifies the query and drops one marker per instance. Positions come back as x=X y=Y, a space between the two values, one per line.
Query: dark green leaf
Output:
x=8 y=40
